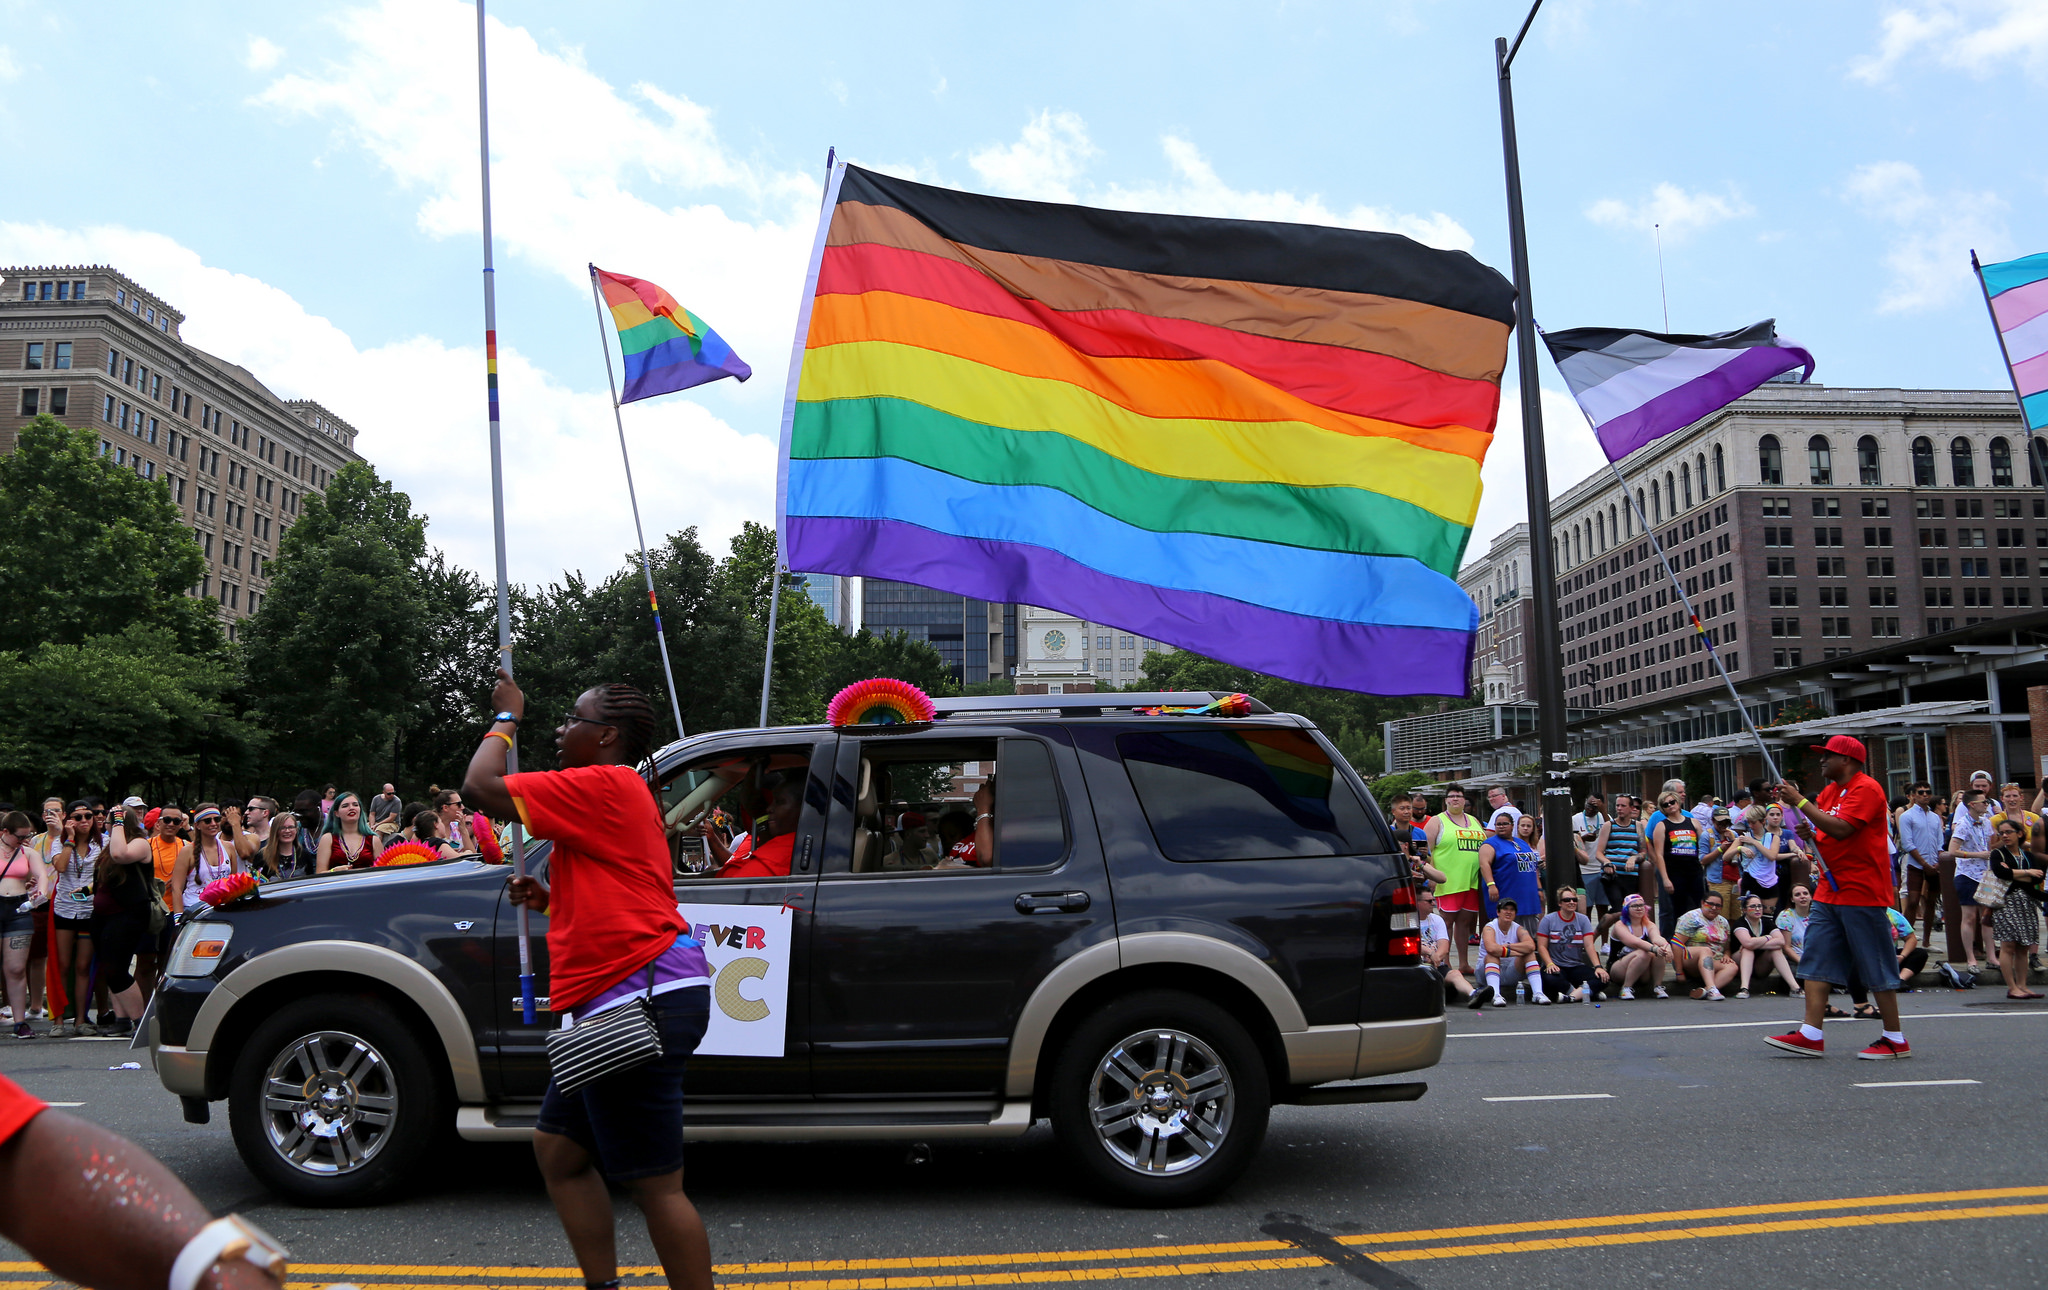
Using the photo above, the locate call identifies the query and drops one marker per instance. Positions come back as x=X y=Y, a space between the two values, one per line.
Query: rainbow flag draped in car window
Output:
x=1257 y=441
x=665 y=347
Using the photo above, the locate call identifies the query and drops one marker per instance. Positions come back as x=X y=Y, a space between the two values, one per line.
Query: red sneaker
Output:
x=1798 y=1044
x=1885 y=1050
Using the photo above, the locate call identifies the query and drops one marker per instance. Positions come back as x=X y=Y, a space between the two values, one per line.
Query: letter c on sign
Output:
x=727 y=991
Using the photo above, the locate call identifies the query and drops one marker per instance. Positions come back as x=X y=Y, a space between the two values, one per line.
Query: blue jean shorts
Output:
x=1966 y=890
x=1841 y=939
x=632 y=1122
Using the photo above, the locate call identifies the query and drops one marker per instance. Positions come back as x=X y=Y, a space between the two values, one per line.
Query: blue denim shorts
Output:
x=1841 y=939
x=632 y=1122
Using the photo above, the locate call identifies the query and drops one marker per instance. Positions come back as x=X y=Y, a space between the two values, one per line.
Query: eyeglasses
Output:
x=1567 y=900
x=81 y=815
x=255 y=807
x=570 y=718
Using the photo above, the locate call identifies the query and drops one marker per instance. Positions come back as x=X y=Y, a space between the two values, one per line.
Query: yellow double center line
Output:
x=934 y=1272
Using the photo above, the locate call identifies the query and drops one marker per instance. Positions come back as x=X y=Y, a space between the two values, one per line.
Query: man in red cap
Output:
x=1849 y=932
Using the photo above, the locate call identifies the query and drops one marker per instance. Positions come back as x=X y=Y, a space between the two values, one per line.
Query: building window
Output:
x=1962 y=463
x=1820 y=462
x=1685 y=482
x=1720 y=470
x=1923 y=462
x=1770 y=461
x=33 y=361
x=60 y=401
x=2001 y=464
x=31 y=402
x=1868 y=470
x=61 y=359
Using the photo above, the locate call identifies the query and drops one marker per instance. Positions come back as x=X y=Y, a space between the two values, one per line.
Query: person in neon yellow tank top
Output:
x=1454 y=840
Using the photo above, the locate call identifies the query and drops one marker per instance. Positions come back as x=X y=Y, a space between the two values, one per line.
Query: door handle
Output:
x=804 y=862
x=1052 y=902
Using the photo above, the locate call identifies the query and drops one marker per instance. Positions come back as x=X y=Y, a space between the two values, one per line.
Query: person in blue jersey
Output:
x=1508 y=871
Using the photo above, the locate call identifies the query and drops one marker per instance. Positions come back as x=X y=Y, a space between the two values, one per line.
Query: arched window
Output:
x=1720 y=470
x=2001 y=464
x=1962 y=463
x=1670 y=495
x=1923 y=462
x=1868 y=471
x=1612 y=519
x=1641 y=510
x=1770 y=463
x=2033 y=463
x=1699 y=465
x=1820 y=461
x=1685 y=481
x=1600 y=531
x=1656 y=503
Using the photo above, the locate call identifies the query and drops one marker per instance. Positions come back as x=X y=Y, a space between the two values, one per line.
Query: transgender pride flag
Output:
x=1635 y=386
x=2017 y=291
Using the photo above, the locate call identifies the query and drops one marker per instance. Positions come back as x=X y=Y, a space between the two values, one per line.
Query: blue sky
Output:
x=301 y=181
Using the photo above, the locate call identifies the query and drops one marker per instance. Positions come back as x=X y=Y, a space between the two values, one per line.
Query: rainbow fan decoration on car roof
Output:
x=405 y=853
x=227 y=890
x=883 y=701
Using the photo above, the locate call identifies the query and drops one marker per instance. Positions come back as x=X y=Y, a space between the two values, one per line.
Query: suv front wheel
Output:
x=1160 y=1098
x=333 y=1100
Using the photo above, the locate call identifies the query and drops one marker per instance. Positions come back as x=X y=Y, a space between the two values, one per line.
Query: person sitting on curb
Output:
x=1637 y=950
x=1564 y=941
x=1504 y=940
x=1701 y=939
x=1436 y=945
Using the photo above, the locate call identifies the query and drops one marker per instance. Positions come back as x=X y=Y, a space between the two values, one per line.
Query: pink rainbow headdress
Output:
x=883 y=701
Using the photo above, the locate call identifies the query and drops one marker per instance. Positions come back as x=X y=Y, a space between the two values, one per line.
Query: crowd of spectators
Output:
x=90 y=894
x=1709 y=898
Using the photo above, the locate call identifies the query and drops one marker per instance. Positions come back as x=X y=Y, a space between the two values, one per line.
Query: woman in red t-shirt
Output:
x=614 y=932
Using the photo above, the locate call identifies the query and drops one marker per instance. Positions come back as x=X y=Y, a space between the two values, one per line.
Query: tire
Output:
x=378 y=1101
x=1204 y=1083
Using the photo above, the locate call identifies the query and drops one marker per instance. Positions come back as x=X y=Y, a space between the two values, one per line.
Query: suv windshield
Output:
x=1247 y=794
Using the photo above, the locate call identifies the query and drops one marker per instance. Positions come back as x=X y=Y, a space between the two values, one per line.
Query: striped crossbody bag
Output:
x=617 y=1039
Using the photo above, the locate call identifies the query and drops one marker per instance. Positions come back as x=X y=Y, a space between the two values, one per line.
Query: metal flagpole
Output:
x=675 y=703
x=2037 y=447
x=775 y=579
x=514 y=830
x=1546 y=664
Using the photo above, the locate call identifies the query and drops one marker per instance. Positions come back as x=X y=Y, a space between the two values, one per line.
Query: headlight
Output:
x=198 y=949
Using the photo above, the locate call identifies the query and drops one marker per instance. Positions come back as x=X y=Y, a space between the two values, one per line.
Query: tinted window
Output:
x=1253 y=794
x=1031 y=826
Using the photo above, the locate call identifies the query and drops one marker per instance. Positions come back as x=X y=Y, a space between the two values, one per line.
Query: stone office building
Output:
x=89 y=346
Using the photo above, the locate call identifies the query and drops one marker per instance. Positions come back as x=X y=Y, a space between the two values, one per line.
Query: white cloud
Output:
x=1973 y=36
x=1043 y=163
x=580 y=172
x=1677 y=212
x=262 y=55
x=1570 y=453
x=1196 y=189
x=1929 y=254
x=417 y=405
x=9 y=69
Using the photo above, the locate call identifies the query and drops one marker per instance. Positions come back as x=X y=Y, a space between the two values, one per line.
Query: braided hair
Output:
x=630 y=713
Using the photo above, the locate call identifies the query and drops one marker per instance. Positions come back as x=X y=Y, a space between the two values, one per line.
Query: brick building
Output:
x=88 y=345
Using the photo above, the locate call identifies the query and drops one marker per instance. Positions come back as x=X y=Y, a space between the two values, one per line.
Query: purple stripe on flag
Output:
x=2014 y=307
x=1296 y=647
x=1678 y=408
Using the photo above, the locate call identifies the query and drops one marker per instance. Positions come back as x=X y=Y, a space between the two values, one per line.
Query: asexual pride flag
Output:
x=665 y=347
x=1260 y=442
x=1635 y=386
x=2018 y=292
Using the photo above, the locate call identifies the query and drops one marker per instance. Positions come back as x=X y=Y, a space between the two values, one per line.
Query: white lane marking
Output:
x=1559 y=1097
x=1918 y=1083
x=1720 y=1025
x=63 y=1104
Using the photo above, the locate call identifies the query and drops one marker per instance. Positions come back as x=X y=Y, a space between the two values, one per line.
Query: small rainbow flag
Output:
x=666 y=347
x=1257 y=441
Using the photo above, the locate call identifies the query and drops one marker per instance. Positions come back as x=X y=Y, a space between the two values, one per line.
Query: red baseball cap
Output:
x=149 y=820
x=1847 y=747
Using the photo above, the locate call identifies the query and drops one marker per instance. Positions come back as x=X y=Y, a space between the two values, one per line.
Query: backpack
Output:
x=1956 y=978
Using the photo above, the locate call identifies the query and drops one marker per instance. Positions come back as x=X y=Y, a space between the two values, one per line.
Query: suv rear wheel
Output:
x=332 y=1100
x=1160 y=1098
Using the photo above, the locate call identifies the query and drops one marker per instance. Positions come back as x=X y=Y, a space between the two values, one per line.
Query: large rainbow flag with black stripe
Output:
x=1260 y=442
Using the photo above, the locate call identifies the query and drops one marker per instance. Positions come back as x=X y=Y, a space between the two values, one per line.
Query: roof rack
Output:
x=1074 y=705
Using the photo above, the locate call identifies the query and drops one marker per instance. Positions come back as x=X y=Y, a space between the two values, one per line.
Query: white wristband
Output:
x=233 y=1237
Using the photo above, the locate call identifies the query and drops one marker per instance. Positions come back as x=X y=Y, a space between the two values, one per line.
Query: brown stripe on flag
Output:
x=1442 y=340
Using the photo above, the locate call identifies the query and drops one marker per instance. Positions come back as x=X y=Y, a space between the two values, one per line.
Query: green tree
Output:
x=91 y=549
x=333 y=658
x=113 y=714
x=1386 y=786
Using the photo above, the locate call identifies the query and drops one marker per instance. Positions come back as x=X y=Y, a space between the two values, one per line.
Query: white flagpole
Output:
x=514 y=831
x=675 y=702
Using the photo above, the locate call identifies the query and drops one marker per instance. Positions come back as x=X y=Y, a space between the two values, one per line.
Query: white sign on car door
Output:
x=748 y=950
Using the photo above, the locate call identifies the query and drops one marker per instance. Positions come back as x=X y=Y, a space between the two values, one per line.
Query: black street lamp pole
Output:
x=1545 y=663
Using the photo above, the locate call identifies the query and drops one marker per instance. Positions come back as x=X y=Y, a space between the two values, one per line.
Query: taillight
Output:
x=1398 y=929
x=1405 y=946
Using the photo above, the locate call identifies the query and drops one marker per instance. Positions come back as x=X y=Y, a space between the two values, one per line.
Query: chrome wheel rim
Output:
x=329 y=1101
x=1161 y=1102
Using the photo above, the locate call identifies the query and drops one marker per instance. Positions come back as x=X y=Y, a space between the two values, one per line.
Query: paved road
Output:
x=1707 y=1160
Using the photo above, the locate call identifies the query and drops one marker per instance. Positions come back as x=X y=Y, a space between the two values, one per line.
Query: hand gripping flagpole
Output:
x=514 y=830
x=675 y=703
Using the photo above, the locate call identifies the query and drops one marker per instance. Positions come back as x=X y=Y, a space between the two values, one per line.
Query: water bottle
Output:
x=1521 y=991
